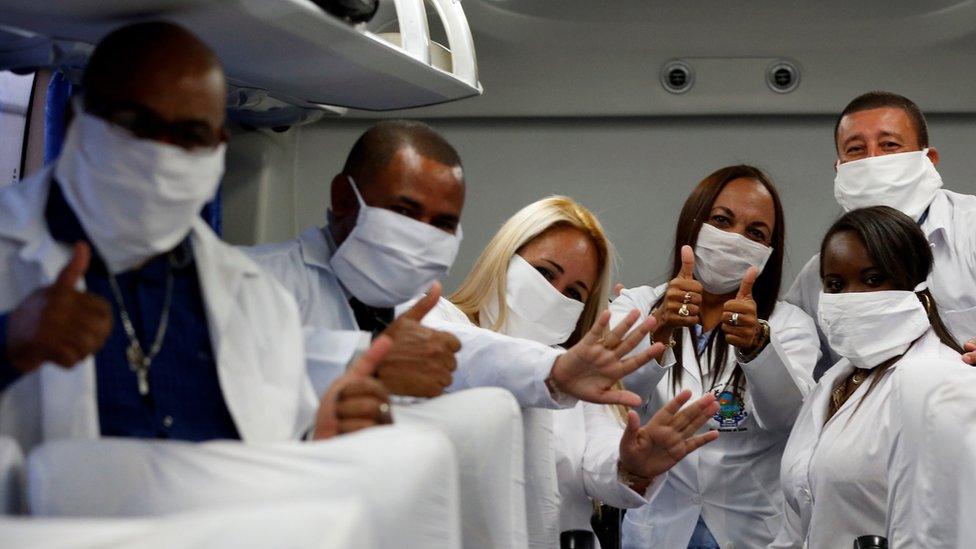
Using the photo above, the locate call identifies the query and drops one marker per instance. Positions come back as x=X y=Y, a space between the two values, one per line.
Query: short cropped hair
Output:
x=374 y=150
x=887 y=100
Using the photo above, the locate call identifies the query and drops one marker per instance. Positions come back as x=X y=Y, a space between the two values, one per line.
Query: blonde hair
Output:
x=489 y=273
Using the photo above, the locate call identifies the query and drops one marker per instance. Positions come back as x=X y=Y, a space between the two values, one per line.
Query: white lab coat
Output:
x=333 y=337
x=253 y=322
x=571 y=459
x=949 y=229
x=930 y=471
x=587 y=446
x=733 y=483
x=835 y=476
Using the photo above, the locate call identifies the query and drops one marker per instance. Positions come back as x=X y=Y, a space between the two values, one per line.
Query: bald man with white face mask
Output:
x=884 y=159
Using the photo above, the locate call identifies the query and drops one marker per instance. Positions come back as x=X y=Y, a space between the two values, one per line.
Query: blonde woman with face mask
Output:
x=729 y=336
x=545 y=276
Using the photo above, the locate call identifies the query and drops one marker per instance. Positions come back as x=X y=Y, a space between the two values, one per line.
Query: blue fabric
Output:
x=212 y=213
x=702 y=537
x=185 y=400
x=59 y=92
x=8 y=374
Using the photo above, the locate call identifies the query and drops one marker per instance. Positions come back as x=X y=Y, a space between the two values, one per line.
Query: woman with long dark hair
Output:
x=728 y=335
x=878 y=314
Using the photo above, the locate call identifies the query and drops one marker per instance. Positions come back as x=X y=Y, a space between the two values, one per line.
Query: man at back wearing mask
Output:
x=192 y=341
x=884 y=159
x=394 y=229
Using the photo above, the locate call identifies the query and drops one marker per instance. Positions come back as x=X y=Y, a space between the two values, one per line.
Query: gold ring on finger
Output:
x=683 y=311
x=687 y=298
x=734 y=320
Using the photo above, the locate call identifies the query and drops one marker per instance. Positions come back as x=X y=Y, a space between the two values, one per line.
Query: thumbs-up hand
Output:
x=421 y=362
x=58 y=323
x=740 y=321
x=682 y=300
x=356 y=400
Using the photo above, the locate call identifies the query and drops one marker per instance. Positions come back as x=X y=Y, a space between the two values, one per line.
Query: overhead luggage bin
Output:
x=290 y=49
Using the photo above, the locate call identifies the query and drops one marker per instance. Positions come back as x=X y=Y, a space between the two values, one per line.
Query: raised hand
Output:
x=740 y=322
x=667 y=438
x=682 y=300
x=356 y=400
x=421 y=362
x=58 y=323
x=970 y=348
x=589 y=370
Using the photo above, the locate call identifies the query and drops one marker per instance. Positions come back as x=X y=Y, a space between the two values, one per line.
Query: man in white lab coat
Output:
x=884 y=158
x=394 y=228
x=104 y=259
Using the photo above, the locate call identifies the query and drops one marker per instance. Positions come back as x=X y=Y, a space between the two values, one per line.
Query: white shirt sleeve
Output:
x=781 y=376
x=329 y=352
x=489 y=359
x=601 y=456
x=645 y=379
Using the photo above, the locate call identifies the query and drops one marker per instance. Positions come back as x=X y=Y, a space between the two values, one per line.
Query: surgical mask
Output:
x=135 y=198
x=868 y=328
x=904 y=181
x=389 y=258
x=722 y=259
x=536 y=310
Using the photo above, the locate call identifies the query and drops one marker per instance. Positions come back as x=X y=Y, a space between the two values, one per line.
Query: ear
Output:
x=934 y=156
x=345 y=208
x=344 y=201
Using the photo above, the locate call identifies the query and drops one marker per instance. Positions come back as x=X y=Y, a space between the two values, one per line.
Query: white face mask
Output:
x=536 y=310
x=389 y=258
x=904 y=181
x=868 y=328
x=722 y=259
x=135 y=198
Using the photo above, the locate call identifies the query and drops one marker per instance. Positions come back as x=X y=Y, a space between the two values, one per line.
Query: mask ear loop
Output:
x=355 y=190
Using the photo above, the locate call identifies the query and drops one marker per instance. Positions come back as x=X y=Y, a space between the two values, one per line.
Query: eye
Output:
x=573 y=293
x=833 y=285
x=445 y=226
x=756 y=235
x=720 y=220
x=874 y=280
x=855 y=149
x=545 y=273
x=401 y=210
x=890 y=145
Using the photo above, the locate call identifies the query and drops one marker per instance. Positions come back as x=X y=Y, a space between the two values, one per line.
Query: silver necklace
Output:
x=139 y=362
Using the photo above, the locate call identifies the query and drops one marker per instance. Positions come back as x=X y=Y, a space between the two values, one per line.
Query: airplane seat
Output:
x=485 y=427
x=291 y=524
x=11 y=477
x=406 y=476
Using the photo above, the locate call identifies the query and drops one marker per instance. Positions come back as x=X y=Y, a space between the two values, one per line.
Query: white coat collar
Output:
x=939 y=218
x=316 y=250
x=22 y=220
